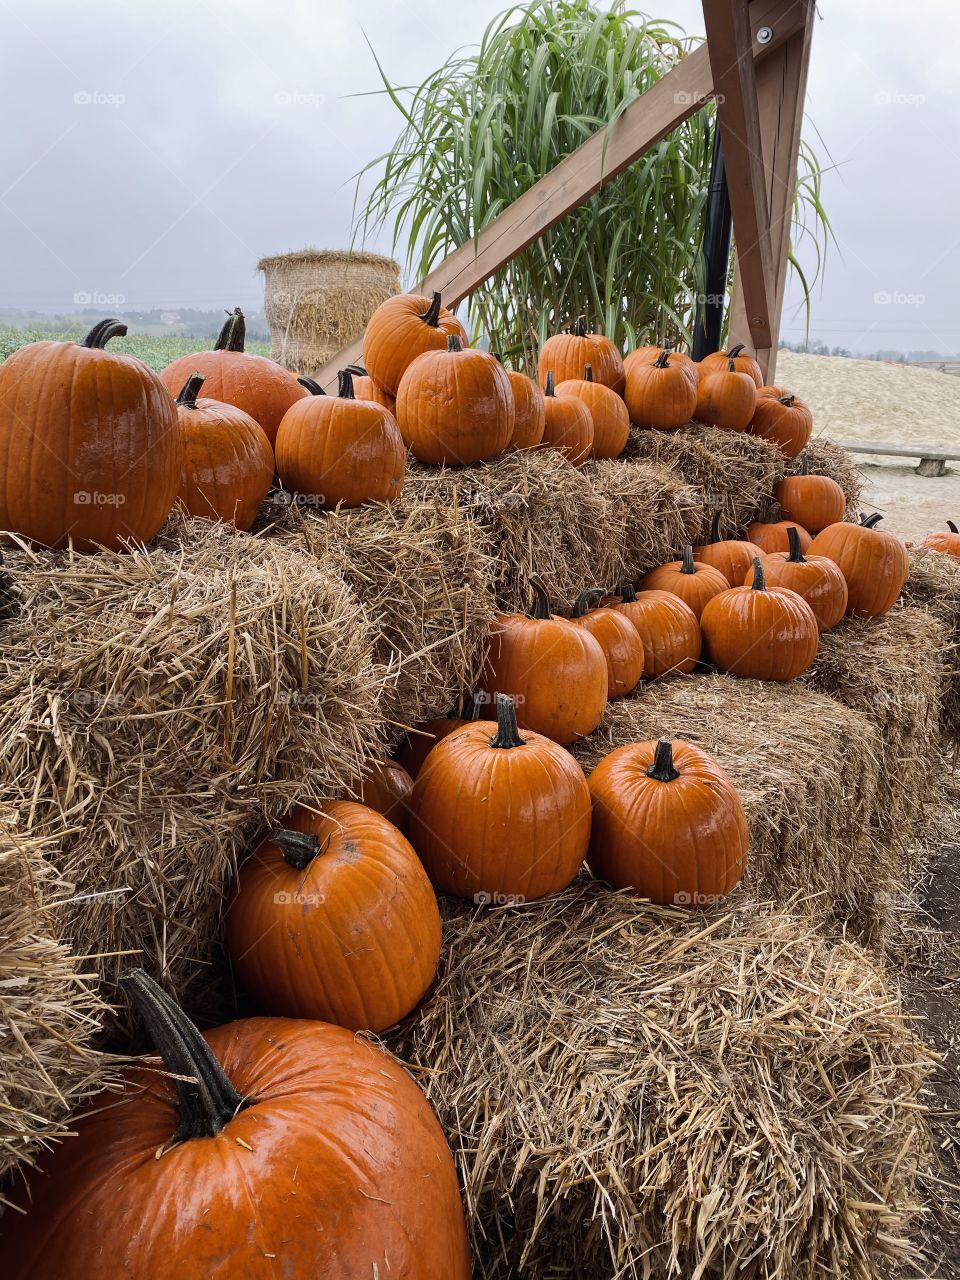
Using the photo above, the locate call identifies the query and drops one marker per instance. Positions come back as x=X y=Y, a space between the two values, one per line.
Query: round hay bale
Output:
x=632 y=1091
x=318 y=300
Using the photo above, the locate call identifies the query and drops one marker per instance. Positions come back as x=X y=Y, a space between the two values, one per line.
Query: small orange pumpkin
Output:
x=565 y=354
x=741 y=363
x=611 y=422
x=874 y=563
x=760 y=633
x=783 y=418
x=528 y=414
x=364 y=388
x=732 y=556
x=692 y=580
x=416 y=746
x=568 y=425
x=816 y=580
x=948 y=542
x=402 y=328
x=668 y=628
x=661 y=388
x=774 y=535
x=725 y=398
x=618 y=638
x=811 y=501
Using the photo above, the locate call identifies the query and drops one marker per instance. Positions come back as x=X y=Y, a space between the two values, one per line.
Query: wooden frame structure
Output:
x=754 y=65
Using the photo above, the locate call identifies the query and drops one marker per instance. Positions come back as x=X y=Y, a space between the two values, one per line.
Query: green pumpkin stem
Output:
x=548 y=384
x=796 y=550
x=234 y=332
x=662 y=769
x=663 y=359
x=432 y=314
x=870 y=522
x=299 y=848
x=206 y=1100
x=759 y=578
x=540 y=607
x=345 y=385
x=312 y=386
x=508 y=731
x=626 y=593
x=687 y=565
x=735 y=351
x=191 y=389
x=582 y=603
x=102 y=332
x=588 y=373
x=454 y=343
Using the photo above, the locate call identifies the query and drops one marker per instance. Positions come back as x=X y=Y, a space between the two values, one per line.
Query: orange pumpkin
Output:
x=874 y=563
x=611 y=422
x=568 y=425
x=456 y=406
x=774 y=535
x=809 y=500
x=364 y=388
x=725 y=398
x=816 y=580
x=554 y=670
x=667 y=824
x=273 y=1148
x=226 y=468
x=783 y=418
x=89 y=444
x=258 y=386
x=565 y=354
x=340 y=449
x=692 y=580
x=415 y=747
x=668 y=628
x=741 y=363
x=500 y=816
x=661 y=388
x=402 y=328
x=385 y=787
x=732 y=556
x=334 y=918
x=948 y=542
x=760 y=633
x=618 y=638
x=528 y=412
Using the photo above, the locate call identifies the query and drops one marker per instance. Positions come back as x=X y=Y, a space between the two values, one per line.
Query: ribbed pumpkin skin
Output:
x=528 y=413
x=417 y=746
x=875 y=565
x=386 y=787
x=772 y=536
x=681 y=842
x=718 y=360
x=567 y=353
x=760 y=635
x=364 y=388
x=554 y=670
x=660 y=398
x=341 y=450
x=948 y=543
x=733 y=557
x=79 y=422
x=725 y=399
x=260 y=387
x=456 y=407
x=355 y=938
x=227 y=463
x=815 y=579
x=788 y=426
x=397 y=333
x=622 y=647
x=813 y=502
x=336 y=1166
x=568 y=428
x=694 y=589
x=669 y=631
x=500 y=821
x=611 y=422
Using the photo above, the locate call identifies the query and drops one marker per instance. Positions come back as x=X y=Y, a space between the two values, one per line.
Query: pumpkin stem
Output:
x=432 y=314
x=508 y=731
x=580 y=328
x=731 y=367
x=796 y=551
x=102 y=332
x=234 y=332
x=759 y=579
x=454 y=343
x=626 y=593
x=687 y=563
x=206 y=1100
x=540 y=608
x=662 y=769
x=952 y=527
x=735 y=351
x=715 y=526
x=497 y=356
x=582 y=603
x=588 y=373
x=870 y=522
x=358 y=370
x=299 y=848
x=663 y=359
x=312 y=386
x=786 y=400
x=191 y=389
x=345 y=385
x=548 y=385
x=804 y=467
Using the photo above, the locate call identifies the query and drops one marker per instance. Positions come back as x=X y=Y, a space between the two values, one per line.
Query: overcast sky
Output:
x=154 y=151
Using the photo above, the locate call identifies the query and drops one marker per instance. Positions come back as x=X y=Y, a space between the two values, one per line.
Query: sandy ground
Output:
x=912 y=505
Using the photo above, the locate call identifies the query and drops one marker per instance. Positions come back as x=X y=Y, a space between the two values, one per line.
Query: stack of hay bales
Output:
x=318 y=300
x=934 y=585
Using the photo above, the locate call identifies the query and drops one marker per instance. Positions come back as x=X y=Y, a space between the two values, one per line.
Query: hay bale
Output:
x=318 y=300
x=825 y=458
x=634 y=1092
x=49 y=1009
x=934 y=584
x=807 y=770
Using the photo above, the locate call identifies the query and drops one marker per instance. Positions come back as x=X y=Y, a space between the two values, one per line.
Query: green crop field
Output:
x=154 y=350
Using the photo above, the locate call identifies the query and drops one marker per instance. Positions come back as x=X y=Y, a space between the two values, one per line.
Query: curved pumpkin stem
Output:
x=234 y=332
x=687 y=565
x=731 y=367
x=588 y=373
x=580 y=328
x=540 y=608
x=796 y=551
x=735 y=351
x=454 y=343
x=662 y=769
x=497 y=356
x=759 y=578
x=870 y=522
x=508 y=731
x=191 y=389
x=345 y=385
x=582 y=603
x=715 y=527
x=206 y=1100
x=299 y=848
x=626 y=593
x=663 y=359
x=357 y=370
x=312 y=386
x=952 y=527
x=102 y=332
x=548 y=384
x=432 y=314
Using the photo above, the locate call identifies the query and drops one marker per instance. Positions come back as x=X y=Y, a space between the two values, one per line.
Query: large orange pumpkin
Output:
x=227 y=464
x=618 y=638
x=500 y=816
x=810 y=501
x=258 y=386
x=661 y=388
x=725 y=398
x=692 y=580
x=948 y=542
x=334 y=918
x=732 y=556
x=874 y=563
x=667 y=823
x=783 y=418
x=456 y=406
x=89 y=444
x=668 y=628
x=815 y=579
x=554 y=670
x=741 y=363
x=568 y=425
x=565 y=354
x=760 y=633
x=340 y=449
x=274 y=1148
x=611 y=422
x=774 y=535
x=385 y=786
x=402 y=328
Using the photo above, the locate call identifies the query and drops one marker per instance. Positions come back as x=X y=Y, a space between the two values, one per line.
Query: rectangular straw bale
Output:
x=934 y=584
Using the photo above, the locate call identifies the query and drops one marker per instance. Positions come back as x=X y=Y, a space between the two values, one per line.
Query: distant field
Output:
x=155 y=350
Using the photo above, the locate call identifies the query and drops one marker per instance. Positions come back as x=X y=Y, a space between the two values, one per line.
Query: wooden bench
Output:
x=933 y=460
